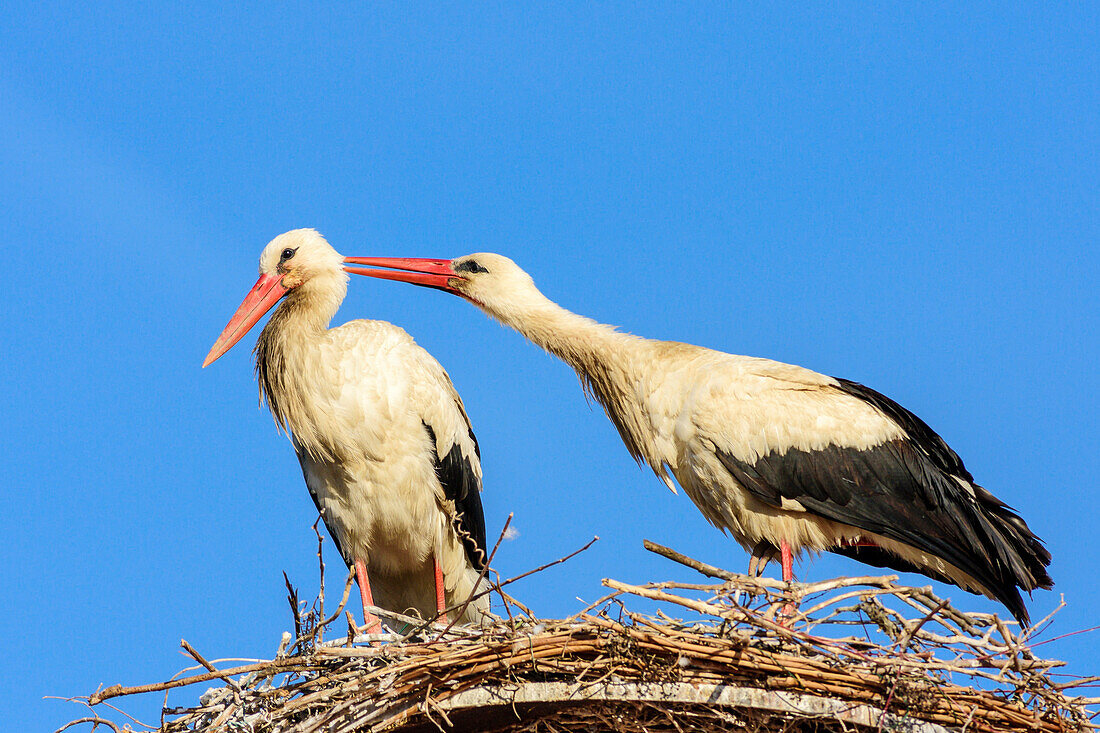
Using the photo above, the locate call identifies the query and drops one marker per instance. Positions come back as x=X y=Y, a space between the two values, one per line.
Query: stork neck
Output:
x=581 y=342
x=306 y=311
x=288 y=358
x=610 y=365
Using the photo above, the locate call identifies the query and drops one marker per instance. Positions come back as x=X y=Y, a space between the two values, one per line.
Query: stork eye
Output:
x=287 y=254
x=469 y=266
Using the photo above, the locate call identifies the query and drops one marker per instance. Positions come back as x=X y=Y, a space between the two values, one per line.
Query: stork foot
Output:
x=374 y=626
x=762 y=554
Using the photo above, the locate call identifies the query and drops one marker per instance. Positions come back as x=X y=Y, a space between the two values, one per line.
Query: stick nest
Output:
x=748 y=654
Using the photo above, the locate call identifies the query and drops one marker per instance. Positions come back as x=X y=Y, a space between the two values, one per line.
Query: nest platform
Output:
x=741 y=654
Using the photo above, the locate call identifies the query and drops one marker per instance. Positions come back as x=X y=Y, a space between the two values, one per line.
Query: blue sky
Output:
x=906 y=197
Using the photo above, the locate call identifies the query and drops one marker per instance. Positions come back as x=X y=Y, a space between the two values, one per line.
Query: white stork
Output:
x=780 y=456
x=382 y=436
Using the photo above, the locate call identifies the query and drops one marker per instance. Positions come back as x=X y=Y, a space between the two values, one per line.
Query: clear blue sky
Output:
x=904 y=197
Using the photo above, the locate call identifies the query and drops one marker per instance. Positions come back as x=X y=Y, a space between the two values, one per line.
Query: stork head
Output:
x=299 y=262
x=490 y=281
x=299 y=257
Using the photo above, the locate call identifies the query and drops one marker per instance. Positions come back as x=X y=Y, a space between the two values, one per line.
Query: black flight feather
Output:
x=937 y=450
x=462 y=486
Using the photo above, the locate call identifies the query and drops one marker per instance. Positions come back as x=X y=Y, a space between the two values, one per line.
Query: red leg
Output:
x=374 y=626
x=440 y=596
x=788 y=576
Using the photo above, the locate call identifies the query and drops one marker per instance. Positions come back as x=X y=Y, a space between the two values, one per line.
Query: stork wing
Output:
x=923 y=437
x=462 y=486
x=847 y=453
x=458 y=456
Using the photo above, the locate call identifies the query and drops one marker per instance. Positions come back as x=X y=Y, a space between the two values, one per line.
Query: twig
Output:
x=697 y=565
x=480 y=577
x=908 y=634
x=511 y=580
x=321 y=569
x=119 y=690
x=84 y=702
x=295 y=609
x=1065 y=636
x=96 y=720
x=199 y=658
x=335 y=614
x=507 y=598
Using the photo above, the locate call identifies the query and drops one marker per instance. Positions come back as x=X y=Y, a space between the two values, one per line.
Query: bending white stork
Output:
x=780 y=456
x=382 y=436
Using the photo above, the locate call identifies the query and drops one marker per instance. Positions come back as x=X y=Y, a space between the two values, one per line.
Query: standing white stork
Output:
x=382 y=436
x=780 y=456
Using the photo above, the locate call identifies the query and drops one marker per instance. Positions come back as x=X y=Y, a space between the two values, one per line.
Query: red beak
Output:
x=267 y=291
x=429 y=273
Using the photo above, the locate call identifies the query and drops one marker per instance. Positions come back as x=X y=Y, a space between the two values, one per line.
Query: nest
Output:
x=744 y=654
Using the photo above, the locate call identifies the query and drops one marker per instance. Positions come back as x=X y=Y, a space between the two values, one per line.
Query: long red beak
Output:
x=429 y=273
x=264 y=294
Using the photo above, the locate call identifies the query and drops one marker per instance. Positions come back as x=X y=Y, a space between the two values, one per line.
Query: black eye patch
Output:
x=469 y=266
x=287 y=254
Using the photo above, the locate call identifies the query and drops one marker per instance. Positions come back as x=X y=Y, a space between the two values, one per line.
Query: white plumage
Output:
x=783 y=458
x=384 y=442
